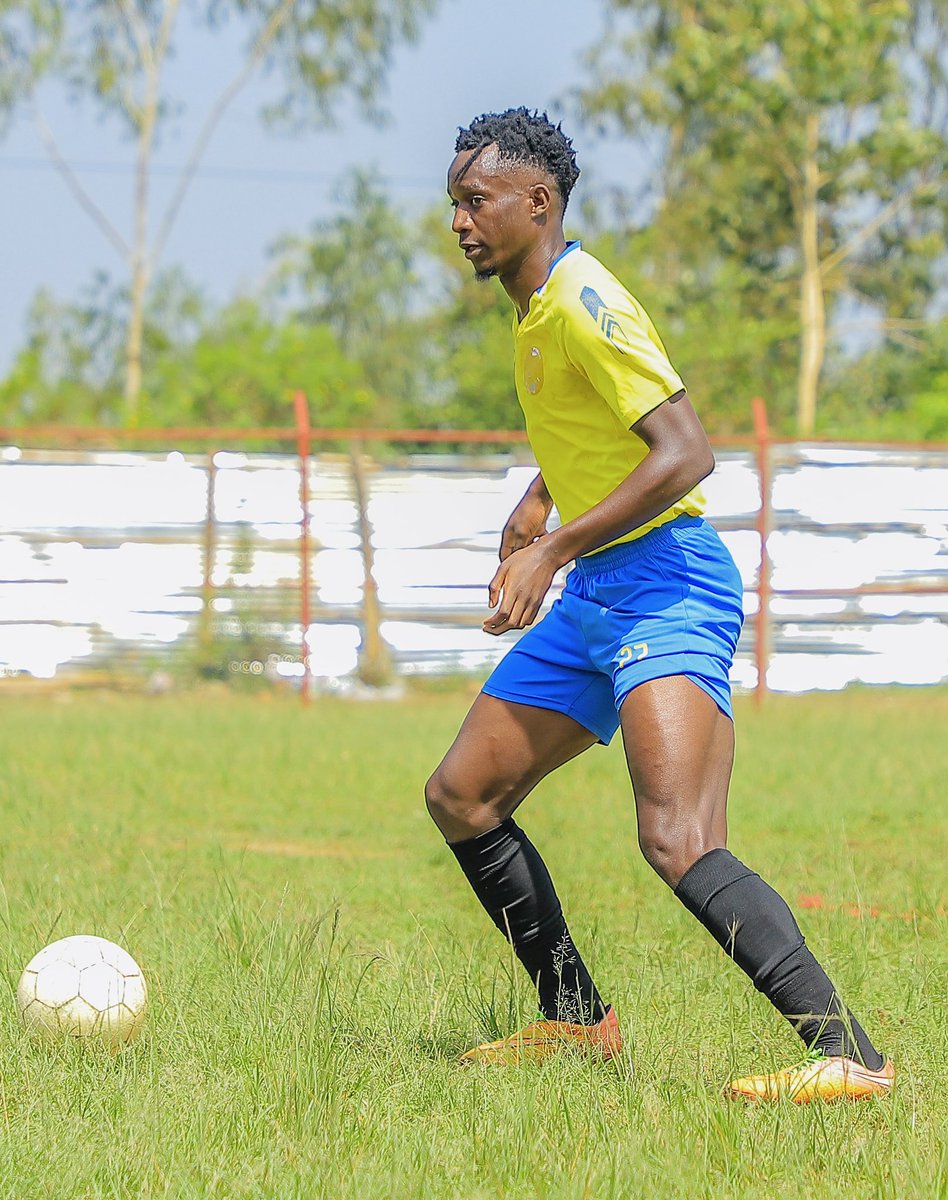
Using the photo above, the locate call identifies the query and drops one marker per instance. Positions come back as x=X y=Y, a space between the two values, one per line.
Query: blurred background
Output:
x=210 y=209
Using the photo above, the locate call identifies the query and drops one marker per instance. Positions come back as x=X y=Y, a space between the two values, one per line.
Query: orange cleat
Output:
x=543 y=1038
x=817 y=1078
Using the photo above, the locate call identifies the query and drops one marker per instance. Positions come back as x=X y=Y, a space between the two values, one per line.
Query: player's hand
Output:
x=519 y=586
x=526 y=523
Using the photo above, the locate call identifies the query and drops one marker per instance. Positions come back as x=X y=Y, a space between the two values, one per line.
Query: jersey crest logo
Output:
x=604 y=318
x=533 y=371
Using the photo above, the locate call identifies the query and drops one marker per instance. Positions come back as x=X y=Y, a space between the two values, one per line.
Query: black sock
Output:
x=757 y=929
x=511 y=881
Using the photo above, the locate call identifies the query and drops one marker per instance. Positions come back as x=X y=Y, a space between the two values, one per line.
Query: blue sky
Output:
x=255 y=184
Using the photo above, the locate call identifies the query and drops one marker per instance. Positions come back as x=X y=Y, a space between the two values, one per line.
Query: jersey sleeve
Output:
x=609 y=338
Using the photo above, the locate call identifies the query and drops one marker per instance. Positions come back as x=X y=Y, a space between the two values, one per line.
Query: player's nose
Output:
x=461 y=221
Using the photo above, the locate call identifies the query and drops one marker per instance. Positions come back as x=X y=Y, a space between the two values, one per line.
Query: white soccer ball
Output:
x=83 y=987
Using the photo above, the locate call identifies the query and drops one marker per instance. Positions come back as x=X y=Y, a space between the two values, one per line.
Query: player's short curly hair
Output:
x=525 y=136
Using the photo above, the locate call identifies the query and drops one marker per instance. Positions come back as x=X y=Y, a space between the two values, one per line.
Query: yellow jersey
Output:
x=589 y=364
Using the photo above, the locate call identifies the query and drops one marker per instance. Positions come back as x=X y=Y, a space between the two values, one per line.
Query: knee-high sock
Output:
x=757 y=929
x=511 y=881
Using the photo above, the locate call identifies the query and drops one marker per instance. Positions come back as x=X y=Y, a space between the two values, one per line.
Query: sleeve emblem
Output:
x=603 y=316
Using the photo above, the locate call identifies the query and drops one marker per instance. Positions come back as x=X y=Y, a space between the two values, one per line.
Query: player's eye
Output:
x=477 y=201
x=454 y=204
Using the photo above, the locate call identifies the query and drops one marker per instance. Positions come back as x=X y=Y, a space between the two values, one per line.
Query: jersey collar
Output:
x=570 y=247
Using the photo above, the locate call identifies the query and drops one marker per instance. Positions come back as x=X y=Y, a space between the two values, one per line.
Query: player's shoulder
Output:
x=584 y=286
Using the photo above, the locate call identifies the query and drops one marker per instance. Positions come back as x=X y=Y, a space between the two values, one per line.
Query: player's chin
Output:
x=482 y=274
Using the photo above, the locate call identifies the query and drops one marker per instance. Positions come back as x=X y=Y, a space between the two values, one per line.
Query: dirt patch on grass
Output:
x=281 y=847
x=297 y=849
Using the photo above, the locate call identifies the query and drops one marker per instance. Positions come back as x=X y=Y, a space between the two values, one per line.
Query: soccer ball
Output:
x=83 y=987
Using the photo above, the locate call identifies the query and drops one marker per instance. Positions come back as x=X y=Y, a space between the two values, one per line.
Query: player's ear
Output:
x=541 y=200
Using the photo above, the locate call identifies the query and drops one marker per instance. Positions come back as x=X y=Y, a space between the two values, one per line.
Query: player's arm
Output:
x=679 y=457
x=528 y=520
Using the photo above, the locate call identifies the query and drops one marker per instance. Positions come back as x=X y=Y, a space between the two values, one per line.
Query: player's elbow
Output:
x=704 y=461
x=693 y=462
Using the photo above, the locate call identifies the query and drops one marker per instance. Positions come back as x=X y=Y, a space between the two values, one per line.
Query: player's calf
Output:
x=754 y=926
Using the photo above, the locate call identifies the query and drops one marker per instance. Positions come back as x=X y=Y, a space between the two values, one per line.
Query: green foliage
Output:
x=356 y=275
x=243 y=368
x=471 y=383
x=29 y=30
x=726 y=91
x=791 y=143
x=727 y=339
x=67 y=371
x=202 y=365
x=324 y=51
x=893 y=392
x=106 y=50
x=114 y=54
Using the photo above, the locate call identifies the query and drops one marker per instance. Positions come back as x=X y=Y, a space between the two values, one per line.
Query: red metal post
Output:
x=762 y=647
x=303 y=441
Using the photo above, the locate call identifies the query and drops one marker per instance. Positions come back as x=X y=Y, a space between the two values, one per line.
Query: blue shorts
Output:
x=667 y=603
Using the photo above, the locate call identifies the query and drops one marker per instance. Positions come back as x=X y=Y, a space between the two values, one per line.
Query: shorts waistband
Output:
x=614 y=557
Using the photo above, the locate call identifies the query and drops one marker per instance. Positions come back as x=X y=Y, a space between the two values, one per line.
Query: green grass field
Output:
x=316 y=961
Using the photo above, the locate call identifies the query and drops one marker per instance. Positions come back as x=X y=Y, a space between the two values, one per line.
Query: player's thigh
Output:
x=679 y=747
x=502 y=751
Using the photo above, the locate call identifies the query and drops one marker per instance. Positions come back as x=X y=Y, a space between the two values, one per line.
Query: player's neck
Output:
x=531 y=273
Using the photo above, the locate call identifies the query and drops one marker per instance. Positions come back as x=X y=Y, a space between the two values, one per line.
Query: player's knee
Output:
x=670 y=846
x=658 y=851
x=464 y=808
x=438 y=797
x=447 y=802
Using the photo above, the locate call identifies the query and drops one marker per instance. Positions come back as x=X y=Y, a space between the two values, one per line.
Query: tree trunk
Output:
x=812 y=304
x=133 y=340
x=152 y=57
x=375 y=660
x=139 y=255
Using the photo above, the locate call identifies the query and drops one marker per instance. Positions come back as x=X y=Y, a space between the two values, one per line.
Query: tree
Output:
x=468 y=332
x=67 y=371
x=243 y=367
x=115 y=54
x=356 y=273
x=894 y=391
x=724 y=328
x=236 y=365
x=791 y=146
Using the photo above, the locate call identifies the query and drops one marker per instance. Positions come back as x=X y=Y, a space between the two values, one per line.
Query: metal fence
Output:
x=368 y=552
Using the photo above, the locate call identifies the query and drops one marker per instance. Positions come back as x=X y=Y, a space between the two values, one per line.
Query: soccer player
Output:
x=642 y=637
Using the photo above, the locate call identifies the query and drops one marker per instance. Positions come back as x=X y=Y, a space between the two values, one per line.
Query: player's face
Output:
x=494 y=211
